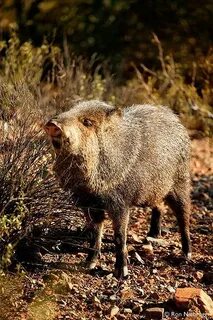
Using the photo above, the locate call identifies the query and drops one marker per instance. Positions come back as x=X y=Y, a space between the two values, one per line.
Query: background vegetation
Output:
x=116 y=30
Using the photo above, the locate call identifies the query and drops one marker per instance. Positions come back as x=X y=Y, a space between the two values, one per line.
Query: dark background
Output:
x=119 y=32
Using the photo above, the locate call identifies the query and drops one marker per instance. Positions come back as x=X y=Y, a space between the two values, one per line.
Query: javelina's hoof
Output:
x=121 y=273
x=91 y=265
x=154 y=233
x=92 y=259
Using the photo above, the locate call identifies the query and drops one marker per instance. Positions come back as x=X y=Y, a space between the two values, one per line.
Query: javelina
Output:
x=113 y=159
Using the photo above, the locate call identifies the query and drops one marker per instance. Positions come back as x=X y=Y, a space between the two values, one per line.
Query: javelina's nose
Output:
x=52 y=129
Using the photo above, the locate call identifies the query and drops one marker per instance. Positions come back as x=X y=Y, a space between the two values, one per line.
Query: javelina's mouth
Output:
x=55 y=133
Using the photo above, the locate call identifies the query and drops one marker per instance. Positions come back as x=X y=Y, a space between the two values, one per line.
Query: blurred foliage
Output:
x=120 y=31
x=23 y=61
x=18 y=302
x=167 y=86
x=11 y=292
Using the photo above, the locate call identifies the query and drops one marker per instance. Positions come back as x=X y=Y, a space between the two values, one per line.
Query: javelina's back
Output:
x=160 y=144
x=112 y=160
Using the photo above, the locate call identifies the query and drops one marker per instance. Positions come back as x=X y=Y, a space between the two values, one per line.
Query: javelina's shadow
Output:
x=176 y=260
x=30 y=251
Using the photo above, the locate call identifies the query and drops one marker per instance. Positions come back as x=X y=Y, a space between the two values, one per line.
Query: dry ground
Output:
x=59 y=287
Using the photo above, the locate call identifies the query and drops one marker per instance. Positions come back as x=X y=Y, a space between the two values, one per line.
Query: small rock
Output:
x=154 y=271
x=165 y=231
x=96 y=300
x=135 y=237
x=127 y=310
x=199 y=275
x=157 y=241
x=80 y=255
x=141 y=291
x=171 y=289
x=184 y=296
x=113 y=297
x=130 y=248
x=109 y=276
x=126 y=293
x=154 y=313
x=114 y=311
x=70 y=285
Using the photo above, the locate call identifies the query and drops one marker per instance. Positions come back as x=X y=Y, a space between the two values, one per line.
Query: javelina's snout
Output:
x=55 y=134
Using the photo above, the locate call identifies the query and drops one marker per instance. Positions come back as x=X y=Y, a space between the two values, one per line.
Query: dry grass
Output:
x=23 y=168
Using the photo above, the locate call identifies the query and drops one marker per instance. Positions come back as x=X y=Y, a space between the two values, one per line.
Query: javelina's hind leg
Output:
x=180 y=204
x=155 y=224
x=97 y=223
x=120 y=223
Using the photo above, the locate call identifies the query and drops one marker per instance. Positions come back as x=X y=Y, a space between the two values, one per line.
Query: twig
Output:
x=148 y=70
x=161 y=56
x=12 y=200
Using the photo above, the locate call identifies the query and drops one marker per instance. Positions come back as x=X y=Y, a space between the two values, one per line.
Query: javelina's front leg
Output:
x=97 y=218
x=120 y=224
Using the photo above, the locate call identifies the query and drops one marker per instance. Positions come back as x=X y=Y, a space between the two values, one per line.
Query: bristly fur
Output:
x=123 y=158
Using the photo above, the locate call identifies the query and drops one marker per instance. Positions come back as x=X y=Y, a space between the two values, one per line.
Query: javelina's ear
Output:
x=117 y=111
x=53 y=129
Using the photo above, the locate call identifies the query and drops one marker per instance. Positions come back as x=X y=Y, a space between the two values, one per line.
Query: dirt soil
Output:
x=60 y=287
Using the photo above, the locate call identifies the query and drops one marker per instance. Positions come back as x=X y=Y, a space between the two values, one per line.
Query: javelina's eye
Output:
x=87 y=122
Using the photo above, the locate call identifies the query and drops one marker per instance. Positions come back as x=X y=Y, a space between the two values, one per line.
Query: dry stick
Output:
x=163 y=65
x=146 y=87
x=194 y=73
x=148 y=70
x=52 y=240
x=161 y=56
